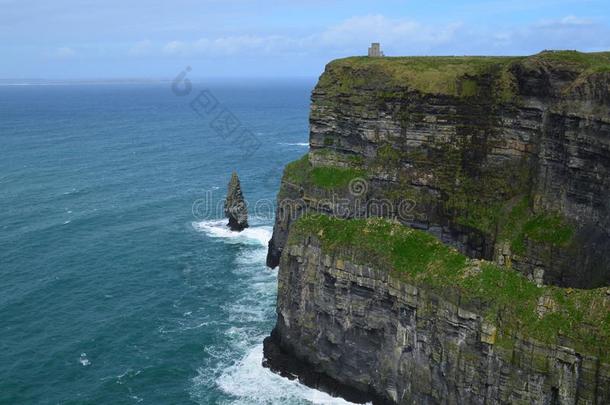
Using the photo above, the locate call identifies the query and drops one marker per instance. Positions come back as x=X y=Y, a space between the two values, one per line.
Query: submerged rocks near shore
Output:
x=236 y=209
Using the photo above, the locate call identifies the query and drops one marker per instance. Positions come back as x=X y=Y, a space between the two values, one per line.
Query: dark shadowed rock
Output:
x=235 y=206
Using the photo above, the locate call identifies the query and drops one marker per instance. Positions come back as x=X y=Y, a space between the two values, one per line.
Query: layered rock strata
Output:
x=505 y=160
x=508 y=159
x=360 y=330
x=236 y=209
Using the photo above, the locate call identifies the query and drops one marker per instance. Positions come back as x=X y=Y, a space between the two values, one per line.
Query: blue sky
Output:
x=68 y=39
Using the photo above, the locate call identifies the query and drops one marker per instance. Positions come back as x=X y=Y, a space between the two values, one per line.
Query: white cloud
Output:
x=572 y=20
x=230 y=45
x=402 y=36
x=175 y=48
x=569 y=32
x=357 y=31
x=351 y=35
x=141 y=48
x=565 y=22
x=63 y=52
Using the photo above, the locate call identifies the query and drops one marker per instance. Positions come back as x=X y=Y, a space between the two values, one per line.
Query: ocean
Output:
x=119 y=282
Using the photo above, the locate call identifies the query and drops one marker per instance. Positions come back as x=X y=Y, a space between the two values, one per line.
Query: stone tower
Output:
x=375 y=50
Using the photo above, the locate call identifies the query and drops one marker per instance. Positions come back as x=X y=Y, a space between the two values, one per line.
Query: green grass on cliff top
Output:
x=438 y=74
x=577 y=318
x=594 y=61
x=452 y=75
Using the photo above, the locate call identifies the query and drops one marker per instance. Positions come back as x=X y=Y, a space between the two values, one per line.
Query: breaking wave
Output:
x=234 y=365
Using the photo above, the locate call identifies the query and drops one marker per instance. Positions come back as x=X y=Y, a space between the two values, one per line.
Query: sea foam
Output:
x=218 y=229
x=235 y=365
x=294 y=143
x=254 y=384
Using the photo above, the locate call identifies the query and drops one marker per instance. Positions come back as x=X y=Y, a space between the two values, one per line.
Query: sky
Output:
x=152 y=39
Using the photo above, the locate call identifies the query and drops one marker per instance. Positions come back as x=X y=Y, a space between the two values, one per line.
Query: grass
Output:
x=301 y=172
x=401 y=247
x=481 y=217
x=593 y=62
x=298 y=171
x=580 y=316
x=512 y=229
x=521 y=224
x=334 y=177
x=480 y=203
x=470 y=88
x=449 y=75
x=549 y=229
x=388 y=156
x=439 y=75
x=516 y=224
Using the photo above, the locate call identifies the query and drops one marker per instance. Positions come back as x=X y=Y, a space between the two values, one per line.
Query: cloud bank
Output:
x=399 y=37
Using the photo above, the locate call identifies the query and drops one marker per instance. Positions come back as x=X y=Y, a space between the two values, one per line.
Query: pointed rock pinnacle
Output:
x=235 y=205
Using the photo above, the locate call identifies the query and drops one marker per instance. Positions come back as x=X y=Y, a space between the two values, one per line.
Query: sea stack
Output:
x=235 y=206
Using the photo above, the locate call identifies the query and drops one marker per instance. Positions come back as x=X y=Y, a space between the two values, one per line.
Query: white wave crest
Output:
x=84 y=360
x=294 y=143
x=254 y=384
x=218 y=229
x=253 y=257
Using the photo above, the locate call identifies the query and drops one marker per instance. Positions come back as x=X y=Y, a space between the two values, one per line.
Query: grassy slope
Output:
x=581 y=316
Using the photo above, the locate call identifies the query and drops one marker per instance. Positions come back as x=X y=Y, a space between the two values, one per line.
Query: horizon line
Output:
x=140 y=80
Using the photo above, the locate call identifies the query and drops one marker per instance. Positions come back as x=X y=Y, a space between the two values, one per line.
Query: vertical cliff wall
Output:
x=506 y=159
x=375 y=308
x=445 y=239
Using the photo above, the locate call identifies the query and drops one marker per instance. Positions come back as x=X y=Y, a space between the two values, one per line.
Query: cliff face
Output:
x=407 y=342
x=505 y=158
x=489 y=282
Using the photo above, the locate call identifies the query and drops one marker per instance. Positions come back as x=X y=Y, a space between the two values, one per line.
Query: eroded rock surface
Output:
x=236 y=209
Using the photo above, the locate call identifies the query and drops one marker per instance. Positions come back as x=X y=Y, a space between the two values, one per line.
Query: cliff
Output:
x=489 y=283
x=507 y=159
x=392 y=312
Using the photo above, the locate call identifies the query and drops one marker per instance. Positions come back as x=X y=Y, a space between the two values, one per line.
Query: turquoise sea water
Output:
x=111 y=290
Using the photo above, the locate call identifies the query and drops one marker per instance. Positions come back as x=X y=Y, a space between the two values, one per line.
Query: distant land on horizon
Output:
x=201 y=79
